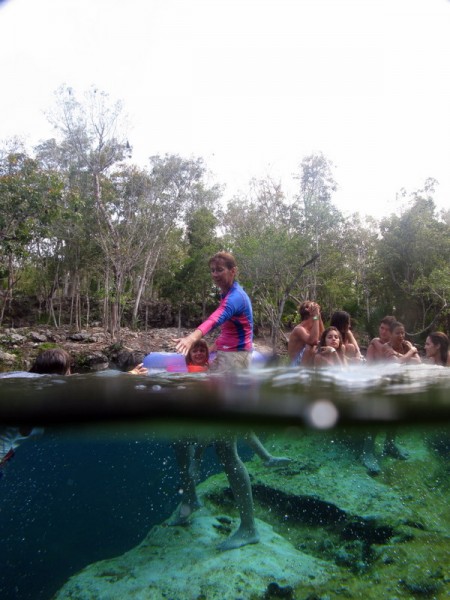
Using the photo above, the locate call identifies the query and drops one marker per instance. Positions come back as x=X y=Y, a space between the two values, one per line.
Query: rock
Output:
x=79 y=337
x=38 y=337
x=7 y=358
x=94 y=361
x=16 y=338
x=182 y=563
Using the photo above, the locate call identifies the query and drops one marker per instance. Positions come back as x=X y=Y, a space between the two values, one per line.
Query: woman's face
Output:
x=222 y=276
x=199 y=356
x=431 y=350
x=332 y=339
x=398 y=335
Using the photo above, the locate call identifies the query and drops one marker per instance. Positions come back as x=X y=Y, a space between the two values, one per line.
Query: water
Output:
x=84 y=492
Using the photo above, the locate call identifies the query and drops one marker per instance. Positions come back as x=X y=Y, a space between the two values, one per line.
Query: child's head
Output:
x=52 y=362
x=198 y=354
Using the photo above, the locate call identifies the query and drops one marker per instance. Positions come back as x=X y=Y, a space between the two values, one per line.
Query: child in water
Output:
x=197 y=359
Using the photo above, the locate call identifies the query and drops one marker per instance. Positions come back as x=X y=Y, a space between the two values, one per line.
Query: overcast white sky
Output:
x=252 y=86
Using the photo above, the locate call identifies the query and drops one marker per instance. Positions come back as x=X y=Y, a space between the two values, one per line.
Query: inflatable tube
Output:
x=175 y=363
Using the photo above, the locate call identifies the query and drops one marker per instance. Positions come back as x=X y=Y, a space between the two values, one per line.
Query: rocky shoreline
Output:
x=92 y=349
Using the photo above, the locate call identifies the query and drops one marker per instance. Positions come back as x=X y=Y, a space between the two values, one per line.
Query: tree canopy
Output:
x=84 y=228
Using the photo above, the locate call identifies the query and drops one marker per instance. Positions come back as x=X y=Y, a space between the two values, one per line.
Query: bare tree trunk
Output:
x=106 y=302
x=88 y=309
x=148 y=267
x=71 y=309
x=61 y=298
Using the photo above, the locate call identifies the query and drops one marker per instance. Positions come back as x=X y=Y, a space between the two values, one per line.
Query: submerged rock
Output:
x=182 y=563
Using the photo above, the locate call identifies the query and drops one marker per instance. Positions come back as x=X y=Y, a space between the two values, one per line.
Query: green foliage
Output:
x=413 y=255
x=79 y=221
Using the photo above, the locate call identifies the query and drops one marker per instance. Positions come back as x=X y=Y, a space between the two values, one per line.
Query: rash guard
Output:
x=235 y=316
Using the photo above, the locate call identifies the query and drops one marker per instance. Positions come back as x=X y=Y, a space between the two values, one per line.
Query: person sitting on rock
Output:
x=305 y=336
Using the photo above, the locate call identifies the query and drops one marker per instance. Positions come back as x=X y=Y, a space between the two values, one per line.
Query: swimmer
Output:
x=436 y=349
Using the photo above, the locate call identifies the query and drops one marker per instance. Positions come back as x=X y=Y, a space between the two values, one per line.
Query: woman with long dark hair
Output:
x=436 y=349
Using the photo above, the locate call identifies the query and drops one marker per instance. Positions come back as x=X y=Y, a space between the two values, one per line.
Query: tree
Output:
x=321 y=221
x=176 y=191
x=413 y=253
x=29 y=203
x=93 y=142
x=263 y=232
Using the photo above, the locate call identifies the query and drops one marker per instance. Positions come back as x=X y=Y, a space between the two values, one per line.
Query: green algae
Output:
x=388 y=536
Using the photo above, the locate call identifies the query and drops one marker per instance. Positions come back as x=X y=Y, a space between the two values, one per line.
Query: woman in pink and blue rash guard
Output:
x=234 y=350
x=234 y=316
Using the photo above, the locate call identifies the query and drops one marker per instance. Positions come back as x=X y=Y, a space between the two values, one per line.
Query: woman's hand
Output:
x=184 y=344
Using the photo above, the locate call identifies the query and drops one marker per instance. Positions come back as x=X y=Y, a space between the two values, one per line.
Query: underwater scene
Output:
x=279 y=483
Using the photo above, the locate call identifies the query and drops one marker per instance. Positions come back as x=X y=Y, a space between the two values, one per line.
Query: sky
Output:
x=251 y=86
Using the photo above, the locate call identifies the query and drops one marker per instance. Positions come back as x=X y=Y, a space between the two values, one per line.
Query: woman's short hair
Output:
x=227 y=257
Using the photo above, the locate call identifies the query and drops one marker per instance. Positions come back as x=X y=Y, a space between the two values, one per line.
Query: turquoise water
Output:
x=100 y=481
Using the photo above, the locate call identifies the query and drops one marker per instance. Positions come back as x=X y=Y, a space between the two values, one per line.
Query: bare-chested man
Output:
x=305 y=335
x=375 y=350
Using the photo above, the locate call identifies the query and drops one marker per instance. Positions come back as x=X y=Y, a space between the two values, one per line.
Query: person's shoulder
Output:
x=374 y=341
x=298 y=330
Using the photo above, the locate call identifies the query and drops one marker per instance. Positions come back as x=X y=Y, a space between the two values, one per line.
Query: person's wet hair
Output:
x=52 y=362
